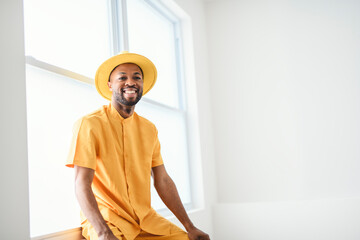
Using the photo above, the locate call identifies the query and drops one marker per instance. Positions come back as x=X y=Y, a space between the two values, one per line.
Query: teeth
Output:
x=129 y=91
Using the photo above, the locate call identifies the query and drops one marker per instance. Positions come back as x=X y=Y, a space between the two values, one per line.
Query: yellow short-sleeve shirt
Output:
x=122 y=153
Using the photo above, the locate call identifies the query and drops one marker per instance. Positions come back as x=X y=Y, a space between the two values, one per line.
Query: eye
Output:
x=122 y=78
x=137 y=78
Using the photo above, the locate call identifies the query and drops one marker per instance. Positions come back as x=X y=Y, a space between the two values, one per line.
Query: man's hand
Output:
x=197 y=234
x=108 y=235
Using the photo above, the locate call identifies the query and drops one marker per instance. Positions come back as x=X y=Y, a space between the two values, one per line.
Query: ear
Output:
x=109 y=85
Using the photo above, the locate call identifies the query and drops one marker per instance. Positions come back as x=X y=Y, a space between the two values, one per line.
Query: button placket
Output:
x=127 y=167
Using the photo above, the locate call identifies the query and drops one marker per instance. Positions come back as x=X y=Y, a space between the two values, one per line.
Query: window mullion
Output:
x=58 y=70
x=124 y=26
x=162 y=106
x=119 y=26
x=114 y=27
x=179 y=68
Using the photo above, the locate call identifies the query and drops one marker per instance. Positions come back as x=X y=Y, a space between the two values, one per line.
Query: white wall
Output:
x=331 y=219
x=286 y=109
x=14 y=204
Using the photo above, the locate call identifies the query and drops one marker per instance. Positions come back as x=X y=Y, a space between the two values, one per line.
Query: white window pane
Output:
x=172 y=135
x=54 y=103
x=152 y=35
x=70 y=34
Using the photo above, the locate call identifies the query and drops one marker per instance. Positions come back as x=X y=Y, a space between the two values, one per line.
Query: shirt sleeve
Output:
x=156 y=158
x=84 y=145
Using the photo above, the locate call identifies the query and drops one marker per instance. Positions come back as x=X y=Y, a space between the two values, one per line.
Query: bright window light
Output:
x=54 y=103
x=69 y=34
x=172 y=136
x=153 y=35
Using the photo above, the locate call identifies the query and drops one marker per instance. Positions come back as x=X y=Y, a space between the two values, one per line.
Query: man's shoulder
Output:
x=144 y=121
x=97 y=116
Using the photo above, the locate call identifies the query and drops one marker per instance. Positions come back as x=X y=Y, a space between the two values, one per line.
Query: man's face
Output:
x=126 y=83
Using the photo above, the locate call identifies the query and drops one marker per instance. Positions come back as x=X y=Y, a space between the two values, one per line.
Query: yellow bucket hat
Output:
x=103 y=73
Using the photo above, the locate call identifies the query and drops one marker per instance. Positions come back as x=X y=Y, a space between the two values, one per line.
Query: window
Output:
x=65 y=43
x=159 y=41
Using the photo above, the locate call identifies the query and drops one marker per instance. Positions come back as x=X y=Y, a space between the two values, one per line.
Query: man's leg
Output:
x=176 y=233
x=90 y=234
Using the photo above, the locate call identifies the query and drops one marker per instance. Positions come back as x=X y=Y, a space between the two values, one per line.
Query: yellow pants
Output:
x=176 y=233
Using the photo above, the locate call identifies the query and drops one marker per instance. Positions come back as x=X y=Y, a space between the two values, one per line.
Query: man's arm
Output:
x=168 y=193
x=83 y=180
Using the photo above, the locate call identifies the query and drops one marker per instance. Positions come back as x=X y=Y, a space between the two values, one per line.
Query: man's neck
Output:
x=124 y=111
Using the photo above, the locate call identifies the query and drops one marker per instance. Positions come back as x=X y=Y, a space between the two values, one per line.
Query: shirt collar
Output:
x=116 y=115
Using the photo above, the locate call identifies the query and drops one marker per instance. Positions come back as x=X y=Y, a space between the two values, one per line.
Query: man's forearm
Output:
x=170 y=196
x=90 y=208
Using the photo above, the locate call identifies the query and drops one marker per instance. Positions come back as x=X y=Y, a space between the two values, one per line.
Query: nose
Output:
x=130 y=82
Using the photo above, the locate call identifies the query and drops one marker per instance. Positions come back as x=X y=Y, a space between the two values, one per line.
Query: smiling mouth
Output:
x=130 y=92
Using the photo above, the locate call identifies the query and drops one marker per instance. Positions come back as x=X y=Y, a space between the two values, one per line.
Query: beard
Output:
x=120 y=98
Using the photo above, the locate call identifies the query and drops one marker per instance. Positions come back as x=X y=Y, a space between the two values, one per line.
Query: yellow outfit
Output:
x=122 y=153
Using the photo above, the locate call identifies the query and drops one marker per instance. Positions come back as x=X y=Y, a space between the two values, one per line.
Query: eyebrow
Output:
x=134 y=73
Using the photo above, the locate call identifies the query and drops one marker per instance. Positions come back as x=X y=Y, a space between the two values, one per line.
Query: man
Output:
x=115 y=152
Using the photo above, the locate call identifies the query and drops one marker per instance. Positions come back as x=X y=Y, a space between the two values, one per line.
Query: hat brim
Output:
x=105 y=69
